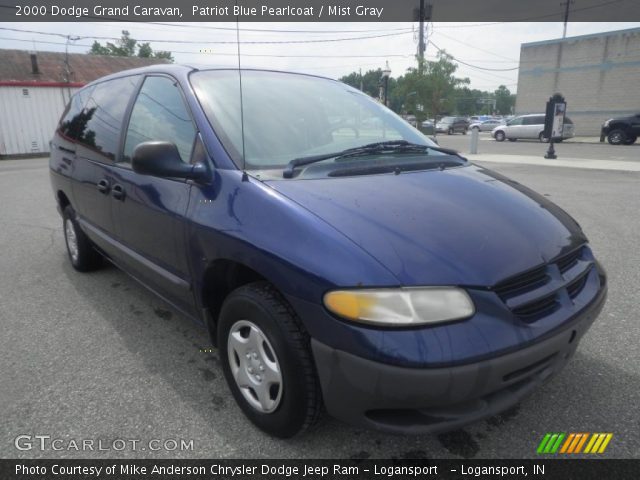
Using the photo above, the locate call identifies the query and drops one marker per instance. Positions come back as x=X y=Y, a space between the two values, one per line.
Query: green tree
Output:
x=128 y=47
x=505 y=100
x=432 y=85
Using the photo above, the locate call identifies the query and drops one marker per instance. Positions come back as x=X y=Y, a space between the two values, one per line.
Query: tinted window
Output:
x=160 y=114
x=104 y=113
x=531 y=121
x=516 y=121
x=74 y=122
x=568 y=120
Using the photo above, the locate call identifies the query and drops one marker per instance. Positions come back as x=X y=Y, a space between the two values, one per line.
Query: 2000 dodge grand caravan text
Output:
x=337 y=256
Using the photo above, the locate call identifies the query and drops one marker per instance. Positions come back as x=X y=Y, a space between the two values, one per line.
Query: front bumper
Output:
x=428 y=400
x=604 y=131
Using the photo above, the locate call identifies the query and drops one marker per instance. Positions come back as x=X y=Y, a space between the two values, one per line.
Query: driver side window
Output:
x=160 y=114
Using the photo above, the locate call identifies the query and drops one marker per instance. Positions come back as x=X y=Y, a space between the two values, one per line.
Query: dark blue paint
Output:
x=463 y=226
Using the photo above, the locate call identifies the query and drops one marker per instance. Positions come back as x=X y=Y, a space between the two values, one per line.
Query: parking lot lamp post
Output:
x=385 y=74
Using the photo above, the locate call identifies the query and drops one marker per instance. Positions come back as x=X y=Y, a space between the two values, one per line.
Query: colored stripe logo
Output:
x=568 y=443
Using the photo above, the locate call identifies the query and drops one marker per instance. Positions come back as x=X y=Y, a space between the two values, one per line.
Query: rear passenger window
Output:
x=74 y=122
x=160 y=114
x=105 y=112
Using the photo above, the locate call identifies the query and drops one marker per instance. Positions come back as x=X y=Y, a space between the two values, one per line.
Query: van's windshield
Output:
x=288 y=116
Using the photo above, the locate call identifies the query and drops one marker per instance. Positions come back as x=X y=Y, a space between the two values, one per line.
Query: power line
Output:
x=261 y=30
x=221 y=42
x=474 y=47
x=227 y=54
x=474 y=66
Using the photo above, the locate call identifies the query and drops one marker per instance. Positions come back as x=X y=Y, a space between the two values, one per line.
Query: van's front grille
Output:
x=537 y=293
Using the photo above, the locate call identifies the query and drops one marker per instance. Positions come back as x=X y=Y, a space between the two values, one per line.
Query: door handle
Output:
x=103 y=186
x=118 y=192
x=65 y=149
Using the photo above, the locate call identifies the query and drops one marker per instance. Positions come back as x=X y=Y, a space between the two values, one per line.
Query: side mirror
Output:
x=162 y=159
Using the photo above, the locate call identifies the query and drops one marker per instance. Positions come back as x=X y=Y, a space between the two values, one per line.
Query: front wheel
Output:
x=542 y=138
x=267 y=362
x=82 y=255
x=500 y=136
x=617 y=137
x=450 y=131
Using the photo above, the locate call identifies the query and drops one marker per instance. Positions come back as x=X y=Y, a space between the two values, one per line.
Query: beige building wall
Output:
x=599 y=75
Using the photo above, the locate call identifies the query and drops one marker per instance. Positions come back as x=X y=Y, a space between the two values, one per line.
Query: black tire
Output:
x=617 y=137
x=464 y=132
x=300 y=402
x=450 y=131
x=477 y=129
x=84 y=258
x=512 y=139
x=500 y=136
x=631 y=140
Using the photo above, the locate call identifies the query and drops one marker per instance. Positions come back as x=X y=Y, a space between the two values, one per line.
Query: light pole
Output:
x=385 y=74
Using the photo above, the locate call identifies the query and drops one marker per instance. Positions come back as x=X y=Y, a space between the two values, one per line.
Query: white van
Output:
x=528 y=126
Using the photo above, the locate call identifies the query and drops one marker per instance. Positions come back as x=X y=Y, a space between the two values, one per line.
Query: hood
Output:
x=460 y=226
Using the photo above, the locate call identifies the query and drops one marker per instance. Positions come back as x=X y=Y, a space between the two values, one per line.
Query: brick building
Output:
x=598 y=74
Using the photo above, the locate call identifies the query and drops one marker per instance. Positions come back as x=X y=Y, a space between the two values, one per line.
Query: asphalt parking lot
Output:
x=95 y=356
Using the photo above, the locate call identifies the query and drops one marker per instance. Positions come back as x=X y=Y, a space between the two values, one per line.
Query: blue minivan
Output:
x=340 y=260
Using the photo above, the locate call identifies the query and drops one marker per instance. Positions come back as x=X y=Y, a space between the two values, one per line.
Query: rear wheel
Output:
x=267 y=361
x=82 y=255
x=500 y=136
x=450 y=131
x=617 y=137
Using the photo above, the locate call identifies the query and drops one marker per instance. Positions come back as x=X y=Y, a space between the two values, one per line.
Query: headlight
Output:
x=606 y=124
x=401 y=306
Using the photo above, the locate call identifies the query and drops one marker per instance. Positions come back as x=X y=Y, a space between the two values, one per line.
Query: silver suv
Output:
x=528 y=126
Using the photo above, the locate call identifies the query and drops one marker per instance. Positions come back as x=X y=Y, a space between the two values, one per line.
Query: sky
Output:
x=302 y=47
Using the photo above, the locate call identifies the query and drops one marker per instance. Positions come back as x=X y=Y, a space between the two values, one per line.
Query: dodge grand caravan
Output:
x=340 y=260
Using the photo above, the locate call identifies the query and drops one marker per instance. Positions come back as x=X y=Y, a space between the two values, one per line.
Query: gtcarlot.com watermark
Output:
x=49 y=443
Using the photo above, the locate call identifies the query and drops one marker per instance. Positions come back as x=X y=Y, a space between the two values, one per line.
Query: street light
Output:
x=385 y=74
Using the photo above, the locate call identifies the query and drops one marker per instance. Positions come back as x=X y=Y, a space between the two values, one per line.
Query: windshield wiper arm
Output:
x=394 y=146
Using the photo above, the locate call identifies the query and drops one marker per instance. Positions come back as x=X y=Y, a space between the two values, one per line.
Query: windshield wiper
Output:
x=392 y=146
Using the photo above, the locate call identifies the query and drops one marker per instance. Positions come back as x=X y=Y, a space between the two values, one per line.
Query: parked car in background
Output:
x=427 y=127
x=529 y=127
x=486 y=125
x=621 y=130
x=451 y=125
x=341 y=267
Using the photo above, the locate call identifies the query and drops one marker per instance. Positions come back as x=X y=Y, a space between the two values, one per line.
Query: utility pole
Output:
x=424 y=13
x=566 y=16
x=361 y=81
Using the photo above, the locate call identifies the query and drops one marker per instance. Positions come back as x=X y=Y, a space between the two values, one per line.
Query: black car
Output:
x=451 y=125
x=622 y=130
